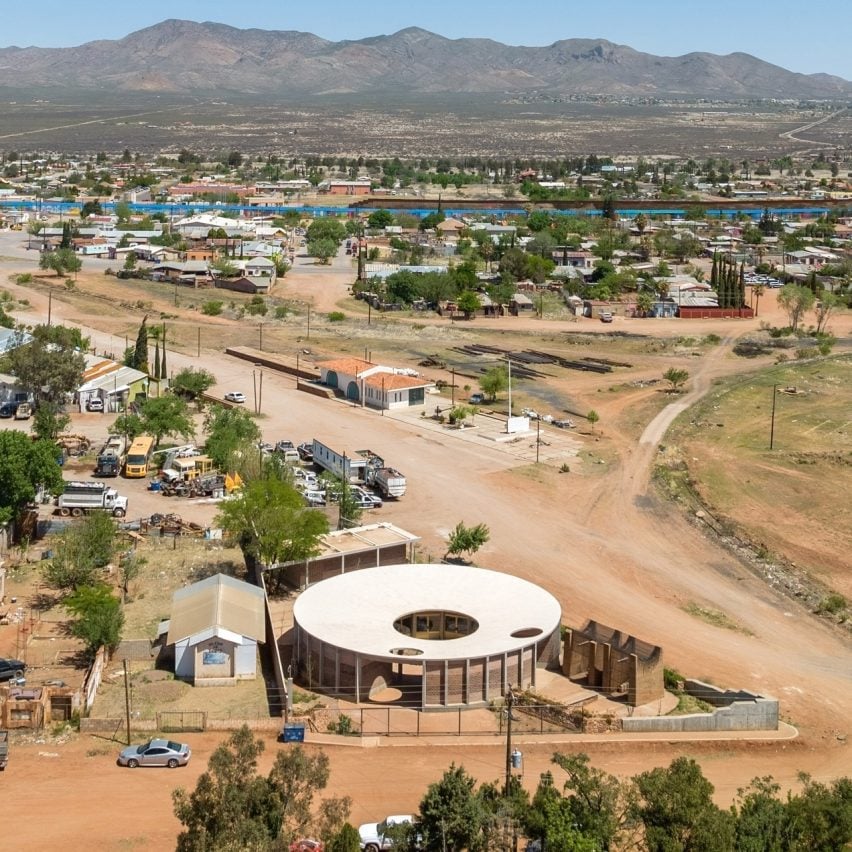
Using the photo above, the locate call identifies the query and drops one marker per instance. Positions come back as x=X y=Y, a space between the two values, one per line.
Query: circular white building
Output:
x=444 y=635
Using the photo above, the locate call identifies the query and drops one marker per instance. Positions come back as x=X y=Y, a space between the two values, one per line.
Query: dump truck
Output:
x=80 y=498
x=387 y=480
x=111 y=456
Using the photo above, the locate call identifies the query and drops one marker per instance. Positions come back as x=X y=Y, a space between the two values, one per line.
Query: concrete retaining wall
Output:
x=737 y=711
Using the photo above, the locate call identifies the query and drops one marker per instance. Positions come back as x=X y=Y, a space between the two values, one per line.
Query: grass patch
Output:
x=713 y=616
x=687 y=704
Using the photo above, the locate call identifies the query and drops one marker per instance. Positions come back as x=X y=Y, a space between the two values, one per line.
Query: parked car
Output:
x=365 y=499
x=155 y=753
x=314 y=498
x=564 y=424
x=8 y=409
x=95 y=404
x=606 y=316
x=476 y=398
x=11 y=668
x=235 y=396
x=283 y=446
x=306 y=451
x=373 y=834
x=23 y=411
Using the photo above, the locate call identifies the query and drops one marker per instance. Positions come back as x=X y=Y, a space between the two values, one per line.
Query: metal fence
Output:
x=181 y=720
x=526 y=719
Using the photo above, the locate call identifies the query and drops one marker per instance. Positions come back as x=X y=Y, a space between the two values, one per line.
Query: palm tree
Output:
x=757 y=292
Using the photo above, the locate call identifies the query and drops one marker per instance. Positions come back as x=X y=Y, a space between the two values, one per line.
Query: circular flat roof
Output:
x=357 y=611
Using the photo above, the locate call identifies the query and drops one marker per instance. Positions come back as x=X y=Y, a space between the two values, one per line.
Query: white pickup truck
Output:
x=374 y=834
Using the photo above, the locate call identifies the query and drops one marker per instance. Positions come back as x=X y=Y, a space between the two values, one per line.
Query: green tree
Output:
x=231 y=436
x=675 y=806
x=593 y=417
x=820 y=817
x=270 y=521
x=130 y=425
x=91 y=208
x=452 y=817
x=140 y=353
x=326 y=228
x=468 y=302
x=166 y=415
x=379 y=219
x=191 y=383
x=99 y=619
x=234 y=807
x=225 y=268
x=80 y=552
x=346 y=840
x=644 y=302
x=464 y=539
x=25 y=466
x=494 y=381
x=796 y=301
x=62 y=261
x=130 y=261
x=431 y=220
x=676 y=378
x=551 y=820
x=323 y=250
x=825 y=305
x=50 y=366
x=761 y=818
x=49 y=421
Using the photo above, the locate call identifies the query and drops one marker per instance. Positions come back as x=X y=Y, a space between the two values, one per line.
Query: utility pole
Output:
x=49 y=305
x=199 y=341
x=127 y=701
x=510 y=701
x=309 y=323
x=260 y=329
x=772 y=426
x=297 y=371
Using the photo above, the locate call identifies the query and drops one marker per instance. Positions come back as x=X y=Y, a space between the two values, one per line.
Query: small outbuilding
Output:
x=215 y=626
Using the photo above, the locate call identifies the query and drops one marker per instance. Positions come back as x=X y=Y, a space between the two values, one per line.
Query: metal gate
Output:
x=181 y=720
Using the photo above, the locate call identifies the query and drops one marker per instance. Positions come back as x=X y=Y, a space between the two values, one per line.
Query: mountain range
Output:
x=210 y=59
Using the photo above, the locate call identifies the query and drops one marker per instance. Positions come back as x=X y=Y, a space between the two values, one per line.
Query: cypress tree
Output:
x=714 y=272
x=157 y=358
x=721 y=283
x=163 y=373
x=140 y=355
x=741 y=290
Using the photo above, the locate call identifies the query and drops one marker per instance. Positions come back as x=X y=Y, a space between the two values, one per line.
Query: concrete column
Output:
x=358 y=678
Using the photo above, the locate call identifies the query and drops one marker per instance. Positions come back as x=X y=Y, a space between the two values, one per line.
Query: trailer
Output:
x=387 y=480
x=80 y=498
x=348 y=465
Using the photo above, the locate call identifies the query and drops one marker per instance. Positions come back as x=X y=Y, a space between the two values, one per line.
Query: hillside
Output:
x=207 y=58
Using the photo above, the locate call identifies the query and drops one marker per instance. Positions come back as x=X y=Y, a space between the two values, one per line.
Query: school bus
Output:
x=138 y=457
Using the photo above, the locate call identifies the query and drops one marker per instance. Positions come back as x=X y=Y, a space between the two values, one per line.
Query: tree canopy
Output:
x=50 y=367
x=25 y=466
x=234 y=807
x=166 y=415
x=231 y=436
x=271 y=522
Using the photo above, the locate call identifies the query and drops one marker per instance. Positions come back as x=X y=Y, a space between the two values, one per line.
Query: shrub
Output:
x=336 y=316
x=672 y=679
x=212 y=308
x=281 y=312
x=23 y=278
x=342 y=726
x=832 y=604
x=257 y=306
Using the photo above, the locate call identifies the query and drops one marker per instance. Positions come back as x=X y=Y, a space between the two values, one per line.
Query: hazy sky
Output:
x=802 y=35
